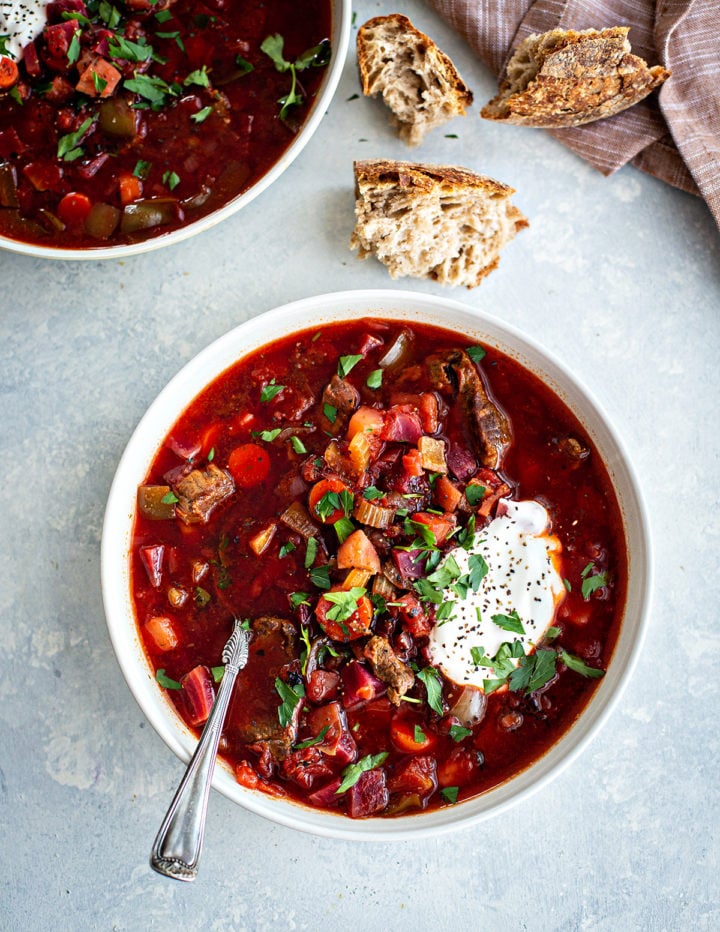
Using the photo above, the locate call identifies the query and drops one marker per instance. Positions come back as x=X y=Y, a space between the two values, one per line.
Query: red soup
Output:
x=123 y=121
x=424 y=545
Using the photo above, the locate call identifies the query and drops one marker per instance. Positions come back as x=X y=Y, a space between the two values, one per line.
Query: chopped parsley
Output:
x=591 y=583
x=343 y=528
x=217 y=673
x=345 y=603
x=458 y=733
x=310 y=552
x=474 y=493
x=476 y=353
x=270 y=391
x=347 y=363
x=299 y=598
x=286 y=549
x=320 y=577
x=330 y=412
x=371 y=492
x=68 y=147
x=171 y=179
x=431 y=679
x=419 y=735
x=267 y=435
x=450 y=794
x=169 y=498
x=297 y=444
x=575 y=663
x=165 y=681
x=311 y=742
x=290 y=696
x=511 y=622
x=374 y=380
x=352 y=773
x=201 y=115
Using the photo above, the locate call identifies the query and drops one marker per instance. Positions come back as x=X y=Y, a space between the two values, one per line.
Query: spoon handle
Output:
x=176 y=850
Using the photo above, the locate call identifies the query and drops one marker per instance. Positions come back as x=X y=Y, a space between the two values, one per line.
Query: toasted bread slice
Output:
x=565 y=78
x=417 y=81
x=432 y=221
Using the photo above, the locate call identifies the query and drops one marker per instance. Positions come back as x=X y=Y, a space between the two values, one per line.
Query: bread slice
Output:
x=417 y=81
x=566 y=78
x=432 y=221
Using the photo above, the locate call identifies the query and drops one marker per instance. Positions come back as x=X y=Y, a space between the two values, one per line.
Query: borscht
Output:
x=424 y=545
x=123 y=120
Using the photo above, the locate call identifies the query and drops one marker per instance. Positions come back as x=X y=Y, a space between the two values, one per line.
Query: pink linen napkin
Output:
x=673 y=134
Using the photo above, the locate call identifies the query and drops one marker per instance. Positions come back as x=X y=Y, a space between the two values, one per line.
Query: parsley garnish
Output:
x=330 y=412
x=310 y=552
x=297 y=444
x=371 y=493
x=165 y=681
x=374 y=380
x=474 y=493
x=431 y=678
x=343 y=528
x=68 y=147
x=290 y=696
x=592 y=583
x=217 y=673
x=126 y=50
x=171 y=179
x=345 y=603
x=199 y=77
x=142 y=169
x=244 y=66
x=352 y=773
x=457 y=732
x=286 y=549
x=169 y=498
x=511 y=622
x=320 y=576
x=535 y=670
x=476 y=353
x=201 y=115
x=311 y=742
x=347 y=363
x=299 y=598
x=450 y=794
x=267 y=435
x=270 y=391
x=419 y=735
x=575 y=663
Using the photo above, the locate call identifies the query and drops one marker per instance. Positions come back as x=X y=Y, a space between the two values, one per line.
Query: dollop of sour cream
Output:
x=523 y=577
x=21 y=21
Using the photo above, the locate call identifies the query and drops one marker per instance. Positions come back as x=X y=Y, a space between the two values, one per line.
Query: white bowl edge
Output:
x=341 y=23
x=315 y=311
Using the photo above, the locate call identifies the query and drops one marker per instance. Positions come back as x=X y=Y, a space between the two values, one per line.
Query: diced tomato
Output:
x=58 y=38
x=458 y=769
x=43 y=176
x=74 y=208
x=318 y=492
x=249 y=465
x=246 y=776
x=412 y=463
x=322 y=685
x=152 y=559
x=414 y=615
x=447 y=496
x=369 y=342
x=305 y=766
x=162 y=631
x=417 y=775
x=357 y=552
x=130 y=188
x=369 y=795
x=365 y=419
x=440 y=525
x=349 y=629
x=199 y=694
x=409 y=735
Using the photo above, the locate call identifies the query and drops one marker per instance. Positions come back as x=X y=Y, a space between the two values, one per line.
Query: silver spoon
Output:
x=177 y=847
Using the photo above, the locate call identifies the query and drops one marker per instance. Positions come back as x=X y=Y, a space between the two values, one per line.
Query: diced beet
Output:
x=10 y=144
x=58 y=39
x=32 y=60
x=326 y=796
x=322 y=685
x=43 y=175
x=152 y=559
x=90 y=168
x=369 y=342
x=369 y=795
x=409 y=563
x=55 y=9
x=305 y=766
x=337 y=743
x=185 y=449
x=359 y=684
x=199 y=694
x=177 y=473
x=461 y=462
x=402 y=424
x=414 y=615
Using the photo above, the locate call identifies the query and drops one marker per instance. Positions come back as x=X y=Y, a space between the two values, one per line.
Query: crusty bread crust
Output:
x=418 y=82
x=440 y=222
x=566 y=78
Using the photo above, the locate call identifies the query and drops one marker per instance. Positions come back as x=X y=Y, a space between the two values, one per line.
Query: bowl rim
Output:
x=295 y=316
x=341 y=26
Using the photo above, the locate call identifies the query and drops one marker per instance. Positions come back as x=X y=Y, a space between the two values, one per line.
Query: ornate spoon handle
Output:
x=177 y=847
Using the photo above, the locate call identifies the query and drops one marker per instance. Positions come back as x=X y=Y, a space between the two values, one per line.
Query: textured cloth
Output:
x=673 y=134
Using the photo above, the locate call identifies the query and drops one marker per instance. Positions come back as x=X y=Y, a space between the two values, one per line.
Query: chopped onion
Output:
x=261 y=541
x=470 y=707
x=433 y=454
x=398 y=351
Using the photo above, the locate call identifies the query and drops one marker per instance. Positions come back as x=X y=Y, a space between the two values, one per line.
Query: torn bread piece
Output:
x=565 y=78
x=432 y=221
x=417 y=81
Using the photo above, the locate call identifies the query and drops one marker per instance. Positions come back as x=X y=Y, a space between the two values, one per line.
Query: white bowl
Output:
x=316 y=312
x=341 y=21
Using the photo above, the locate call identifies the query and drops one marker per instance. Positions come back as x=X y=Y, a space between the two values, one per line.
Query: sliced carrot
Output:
x=130 y=187
x=407 y=734
x=412 y=463
x=447 y=495
x=357 y=552
x=162 y=631
x=318 y=492
x=9 y=73
x=249 y=464
x=365 y=419
x=74 y=207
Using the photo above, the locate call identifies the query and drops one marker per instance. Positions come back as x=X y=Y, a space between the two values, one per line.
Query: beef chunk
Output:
x=388 y=667
x=253 y=713
x=200 y=491
x=456 y=374
x=341 y=395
